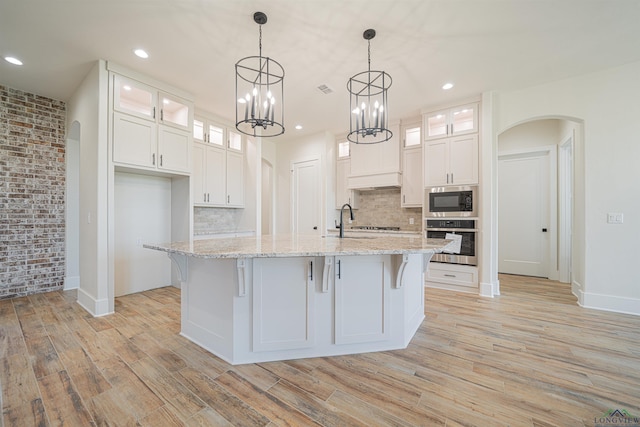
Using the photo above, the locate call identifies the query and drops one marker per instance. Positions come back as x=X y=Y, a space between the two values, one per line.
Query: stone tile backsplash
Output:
x=32 y=193
x=215 y=220
x=381 y=207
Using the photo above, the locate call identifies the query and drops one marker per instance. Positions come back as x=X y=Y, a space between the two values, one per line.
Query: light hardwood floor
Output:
x=530 y=357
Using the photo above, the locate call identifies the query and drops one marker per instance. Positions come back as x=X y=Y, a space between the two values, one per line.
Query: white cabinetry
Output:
x=376 y=165
x=362 y=286
x=151 y=129
x=452 y=276
x=451 y=161
x=218 y=166
x=343 y=170
x=411 y=166
x=450 y=122
x=283 y=303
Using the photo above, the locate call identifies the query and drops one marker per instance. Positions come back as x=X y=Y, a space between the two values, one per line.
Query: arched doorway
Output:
x=535 y=214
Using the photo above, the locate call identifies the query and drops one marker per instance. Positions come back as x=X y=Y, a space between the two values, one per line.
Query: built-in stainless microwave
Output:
x=454 y=201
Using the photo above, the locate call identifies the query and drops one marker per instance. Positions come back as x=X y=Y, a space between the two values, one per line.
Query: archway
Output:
x=559 y=136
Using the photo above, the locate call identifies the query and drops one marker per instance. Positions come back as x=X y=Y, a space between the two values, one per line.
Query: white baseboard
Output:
x=95 y=307
x=611 y=303
x=71 y=282
x=488 y=290
x=576 y=290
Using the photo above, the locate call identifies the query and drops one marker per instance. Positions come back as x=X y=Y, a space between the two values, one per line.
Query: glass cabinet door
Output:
x=134 y=98
x=235 y=141
x=436 y=125
x=412 y=136
x=216 y=135
x=464 y=119
x=174 y=111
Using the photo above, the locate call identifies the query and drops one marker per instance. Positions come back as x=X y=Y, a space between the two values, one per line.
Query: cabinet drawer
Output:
x=460 y=275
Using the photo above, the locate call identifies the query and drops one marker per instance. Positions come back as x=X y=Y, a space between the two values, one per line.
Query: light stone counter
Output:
x=277 y=246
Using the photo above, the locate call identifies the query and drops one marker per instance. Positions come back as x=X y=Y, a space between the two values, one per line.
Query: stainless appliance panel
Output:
x=466 y=228
x=451 y=202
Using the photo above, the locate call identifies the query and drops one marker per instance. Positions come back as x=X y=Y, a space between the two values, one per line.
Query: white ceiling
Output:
x=479 y=45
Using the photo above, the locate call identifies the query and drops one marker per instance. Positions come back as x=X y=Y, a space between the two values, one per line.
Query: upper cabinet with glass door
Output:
x=146 y=102
x=207 y=132
x=451 y=122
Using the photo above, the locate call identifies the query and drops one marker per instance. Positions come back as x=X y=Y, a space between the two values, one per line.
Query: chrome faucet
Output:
x=341 y=221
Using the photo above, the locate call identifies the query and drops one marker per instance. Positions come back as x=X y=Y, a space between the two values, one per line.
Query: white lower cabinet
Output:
x=283 y=303
x=362 y=286
x=452 y=276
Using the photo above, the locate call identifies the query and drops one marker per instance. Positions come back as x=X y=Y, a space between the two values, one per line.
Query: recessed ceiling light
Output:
x=298 y=127
x=12 y=60
x=140 y=53
x=447 y=86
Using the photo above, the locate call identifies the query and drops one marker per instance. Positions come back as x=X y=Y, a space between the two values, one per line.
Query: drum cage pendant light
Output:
x=369 y=115
x=259 y=92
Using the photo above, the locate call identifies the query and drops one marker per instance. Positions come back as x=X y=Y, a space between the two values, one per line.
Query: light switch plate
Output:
x=615 y=218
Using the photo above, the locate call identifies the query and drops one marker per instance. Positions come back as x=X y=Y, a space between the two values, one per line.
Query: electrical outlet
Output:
x=615 y=218
x=411 y=221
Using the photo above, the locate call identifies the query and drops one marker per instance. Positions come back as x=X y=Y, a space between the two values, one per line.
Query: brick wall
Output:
x=32 y=193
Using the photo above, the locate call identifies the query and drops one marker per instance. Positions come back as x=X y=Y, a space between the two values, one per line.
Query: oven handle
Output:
x=453 y=230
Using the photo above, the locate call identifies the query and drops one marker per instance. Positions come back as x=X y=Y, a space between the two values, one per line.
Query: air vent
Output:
x=325 y=89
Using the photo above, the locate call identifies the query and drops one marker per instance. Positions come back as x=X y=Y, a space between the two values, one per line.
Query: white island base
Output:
x=248 y=310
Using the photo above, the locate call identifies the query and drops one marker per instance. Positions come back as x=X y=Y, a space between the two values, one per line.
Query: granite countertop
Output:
x=300 y=245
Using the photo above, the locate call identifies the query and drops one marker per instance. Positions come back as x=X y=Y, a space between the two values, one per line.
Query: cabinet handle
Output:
x=204 y=197
x=339 y=269
x=153 y=159
x=447 y=178
x=161 y=115
x=311 y=269
x=160 y=159
x=154 y=112
x=228 y=199
x=208 y=197
x=449 y=275
x=452 y=177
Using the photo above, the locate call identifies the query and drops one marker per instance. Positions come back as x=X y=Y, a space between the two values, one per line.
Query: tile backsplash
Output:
x=215 y=220
x=381 y=207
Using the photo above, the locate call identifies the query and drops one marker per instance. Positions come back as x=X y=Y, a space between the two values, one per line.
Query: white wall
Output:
x=88 y=107
x=72 y=208
x=538 y=133
x=142 y=214
x=607 y=103
x=293 y=150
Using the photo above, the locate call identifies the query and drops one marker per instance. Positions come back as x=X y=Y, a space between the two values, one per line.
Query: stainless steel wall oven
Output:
x=465 y=228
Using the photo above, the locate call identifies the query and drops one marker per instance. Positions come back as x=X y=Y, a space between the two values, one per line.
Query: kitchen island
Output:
x=258 y=299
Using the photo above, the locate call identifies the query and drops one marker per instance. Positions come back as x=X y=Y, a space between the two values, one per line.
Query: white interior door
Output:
x=523 y=214
x=306 y=197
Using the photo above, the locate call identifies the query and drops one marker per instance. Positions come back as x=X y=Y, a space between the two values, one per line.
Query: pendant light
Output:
x=369 y=115
x=259 y=92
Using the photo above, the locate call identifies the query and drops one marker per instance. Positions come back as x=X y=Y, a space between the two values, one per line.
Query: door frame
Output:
x=551 y=151
x=566 y=151
x=321 y=205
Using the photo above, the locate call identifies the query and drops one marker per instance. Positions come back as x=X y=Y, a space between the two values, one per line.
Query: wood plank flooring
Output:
x=530 y=357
